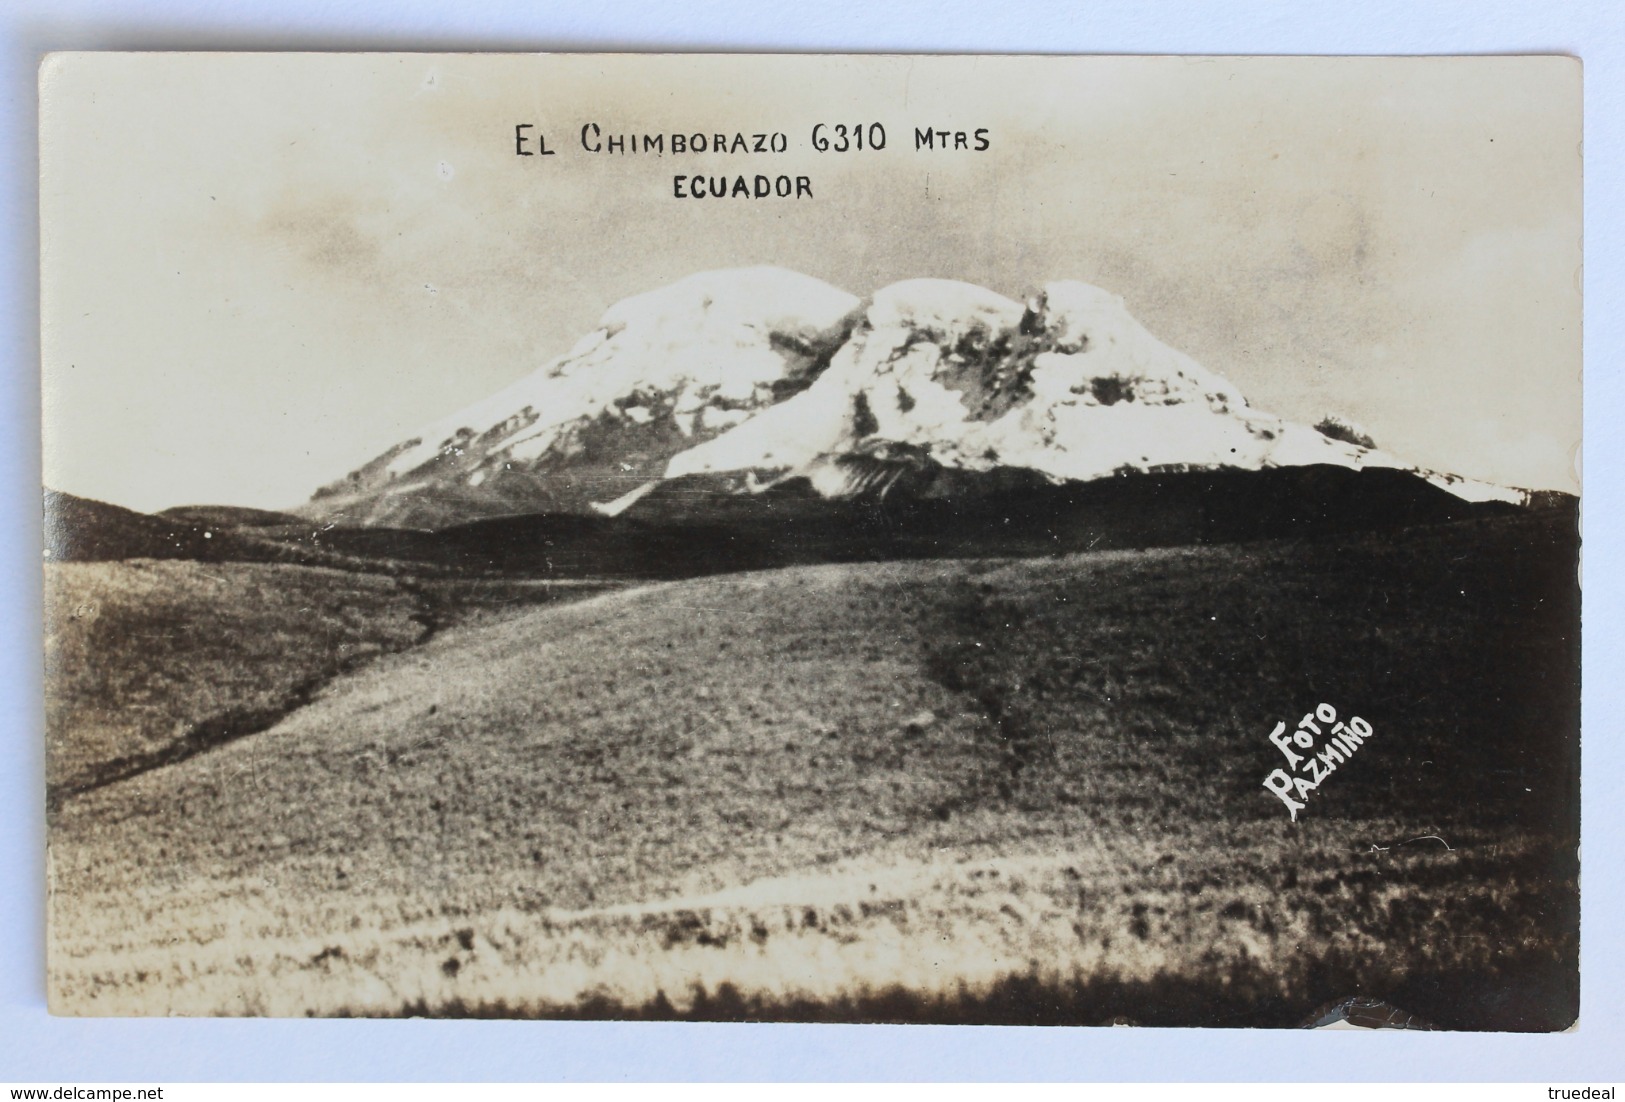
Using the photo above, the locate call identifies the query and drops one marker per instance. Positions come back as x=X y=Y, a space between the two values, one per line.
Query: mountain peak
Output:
x=765 y=298
x=764 y=375
x=662 y=371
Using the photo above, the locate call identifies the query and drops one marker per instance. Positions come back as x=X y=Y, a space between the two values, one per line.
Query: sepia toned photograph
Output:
x=996 y=540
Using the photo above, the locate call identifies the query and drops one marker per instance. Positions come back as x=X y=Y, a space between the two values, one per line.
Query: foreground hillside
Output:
x=972 y=790
x=149 y=661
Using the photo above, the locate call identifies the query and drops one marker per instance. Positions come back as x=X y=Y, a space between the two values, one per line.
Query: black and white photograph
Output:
x=989 y=540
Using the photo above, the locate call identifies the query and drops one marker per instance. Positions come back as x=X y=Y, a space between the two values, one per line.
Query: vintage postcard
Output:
x=1019 y=540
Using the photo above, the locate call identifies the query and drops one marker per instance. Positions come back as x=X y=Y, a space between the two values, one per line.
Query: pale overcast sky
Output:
x=259 y=271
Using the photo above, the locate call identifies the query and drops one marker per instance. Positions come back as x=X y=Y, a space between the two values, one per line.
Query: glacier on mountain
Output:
x=1069 y=385
x=768 y=375
x=712 y=344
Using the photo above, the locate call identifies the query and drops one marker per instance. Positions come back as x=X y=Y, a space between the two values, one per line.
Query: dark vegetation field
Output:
x=695 y=526
x=1018 y=790
x=151 y=661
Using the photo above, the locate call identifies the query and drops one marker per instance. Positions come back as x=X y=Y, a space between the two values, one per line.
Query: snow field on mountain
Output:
x=712 y=339
x=714 y=374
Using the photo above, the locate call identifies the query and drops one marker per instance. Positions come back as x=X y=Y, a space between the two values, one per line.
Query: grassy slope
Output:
x=148 y=661
x=143 y=656
x=722 y=797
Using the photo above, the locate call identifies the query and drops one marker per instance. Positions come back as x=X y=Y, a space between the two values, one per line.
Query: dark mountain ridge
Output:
x=700 y=525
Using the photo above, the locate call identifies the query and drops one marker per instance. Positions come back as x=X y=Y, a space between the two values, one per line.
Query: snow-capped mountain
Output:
x=662 y=372
x=1069 y=385
x=759 y=377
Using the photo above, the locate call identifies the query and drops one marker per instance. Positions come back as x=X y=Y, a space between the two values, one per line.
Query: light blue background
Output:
x=36 y=1047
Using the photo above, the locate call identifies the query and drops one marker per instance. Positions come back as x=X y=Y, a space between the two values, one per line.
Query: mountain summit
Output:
x=760 y=377
x=662 y=372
